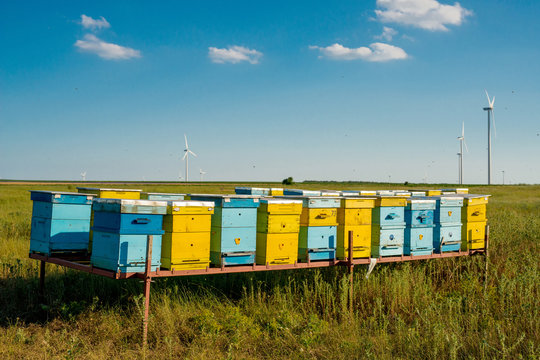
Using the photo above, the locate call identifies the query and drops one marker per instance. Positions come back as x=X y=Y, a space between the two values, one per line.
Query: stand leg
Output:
x=41 y=281
x=486 y=256
x=147 y=282
x=351 y=273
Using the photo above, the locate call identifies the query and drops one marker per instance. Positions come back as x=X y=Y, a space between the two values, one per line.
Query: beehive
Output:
x=300 y=192
x=276 y=191
x=240 y=190
x=388 y=226
x=431 y=192
x=233 y=237
x=162 y=196
x=120 y=231
x=447 y=219
x=419 y=214
x=354 y=215
x=474 y=220
x=330 y=193
x=186 y=241
x=60 y=222
x=318 y=228
x=278 y=225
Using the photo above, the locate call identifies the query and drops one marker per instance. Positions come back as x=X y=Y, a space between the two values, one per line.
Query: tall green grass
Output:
x=434 y=309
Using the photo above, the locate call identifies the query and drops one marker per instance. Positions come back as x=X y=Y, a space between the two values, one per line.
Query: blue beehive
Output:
x=300 y=192
x=447 y=232
x=233 y=238
x=60 y=222
x=239 y=190
x=120 y=231
x=162 y=196
x=419 y=231
x=388 y=225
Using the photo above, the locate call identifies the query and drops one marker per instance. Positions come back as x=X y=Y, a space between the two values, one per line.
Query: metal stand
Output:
x=147 y=282
x=350 y=266
x=486 y=257
x=41 y=292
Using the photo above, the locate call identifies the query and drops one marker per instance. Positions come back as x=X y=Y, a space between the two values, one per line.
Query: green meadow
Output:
x=434 y=309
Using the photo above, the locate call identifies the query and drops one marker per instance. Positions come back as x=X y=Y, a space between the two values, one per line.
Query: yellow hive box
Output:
x=274 y=249
x=361 y=241
x=190 y=207
x=187 y=223
x=354 y=216
x=473 y=213
x=276 y=192
x=390 y=201
x=473 y=235
x=180 y=251
x=357 y=203
x=269 y=223
x=430 y=192
x=318 y=217
x=132 y=194
x=469 y=200
x=280 y=206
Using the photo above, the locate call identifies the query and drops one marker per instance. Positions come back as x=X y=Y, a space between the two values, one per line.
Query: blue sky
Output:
x=348 y=90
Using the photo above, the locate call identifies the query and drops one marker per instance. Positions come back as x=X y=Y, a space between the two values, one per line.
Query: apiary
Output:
x=120 y=231
x=388 y=226
x=240 y=190
x=186 y=241
x=60 y=222
x=162 y=196
x=354 y=214
x=278 y=225
x=318 y=227
x=419 y=215
x=474 y=220
x=233 y=237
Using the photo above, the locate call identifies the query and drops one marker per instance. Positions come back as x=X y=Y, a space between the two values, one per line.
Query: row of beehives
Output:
x=193 y=231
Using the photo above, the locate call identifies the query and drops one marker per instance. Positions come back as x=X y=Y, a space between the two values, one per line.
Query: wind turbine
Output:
x=83 y=175
x=202 y=173
x=460 y=153
x=186 y=157
x=490 y=118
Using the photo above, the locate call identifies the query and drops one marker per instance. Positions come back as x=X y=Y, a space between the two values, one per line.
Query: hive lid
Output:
x=301 y=192
x=186 y=203
x=158 y=193
x=107 y=189
x=61 y=197
x=280 y=201
x=130 y=206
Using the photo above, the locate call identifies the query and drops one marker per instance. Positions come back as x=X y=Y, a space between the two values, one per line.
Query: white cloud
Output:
x=94 y=24
x=425 y=14
x=105 y=50
x=387 y=34
x=376 y=52
x=234 y=55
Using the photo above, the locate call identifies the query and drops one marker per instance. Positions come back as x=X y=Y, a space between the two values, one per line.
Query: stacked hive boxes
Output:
x=447 y=232
x=133 y=194
x=318 y=228
x=186 y=242
x=60 y=222
x=354 y=215
x=252 y=191
x=233 y=237
x=419 y=215
x=120 y=233
x=278 y=224
x=473 y=217
x=162 y=196
x=388 y=226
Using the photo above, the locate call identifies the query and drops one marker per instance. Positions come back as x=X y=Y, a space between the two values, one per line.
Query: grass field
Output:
x=435 y=309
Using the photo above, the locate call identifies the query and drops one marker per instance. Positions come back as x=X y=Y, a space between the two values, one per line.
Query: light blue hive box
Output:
x=447 y=232
x=419 y=229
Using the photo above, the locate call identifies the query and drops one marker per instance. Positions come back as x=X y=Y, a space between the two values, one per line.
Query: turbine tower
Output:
x=490 y=118
x=83 y=175
x=202 y=173
x=460 y=153
x=186 y=157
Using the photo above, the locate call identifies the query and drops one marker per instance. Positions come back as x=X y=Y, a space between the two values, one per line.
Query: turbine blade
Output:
x=191 y=152
x=463 y=129
x=465 y=143
x=185 y=155
x=492 y=102
x=185 y=138
x=487 y=95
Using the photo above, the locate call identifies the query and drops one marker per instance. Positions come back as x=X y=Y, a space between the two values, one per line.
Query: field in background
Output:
x=425 y=309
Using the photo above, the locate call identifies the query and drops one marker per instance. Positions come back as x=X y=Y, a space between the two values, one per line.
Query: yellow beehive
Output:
x=430 y=192
x=474 y=220
x=354 y=215
x=276 y=192
x=391 y=201
x=186 y=242
x=133 y=194
x=278 y=224
x=318 y=217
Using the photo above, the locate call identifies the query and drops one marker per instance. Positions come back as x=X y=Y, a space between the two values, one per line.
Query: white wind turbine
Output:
x=460 y=153
x=186 y=157
x=202 y=173
x=490 y=119
x=83 y=175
